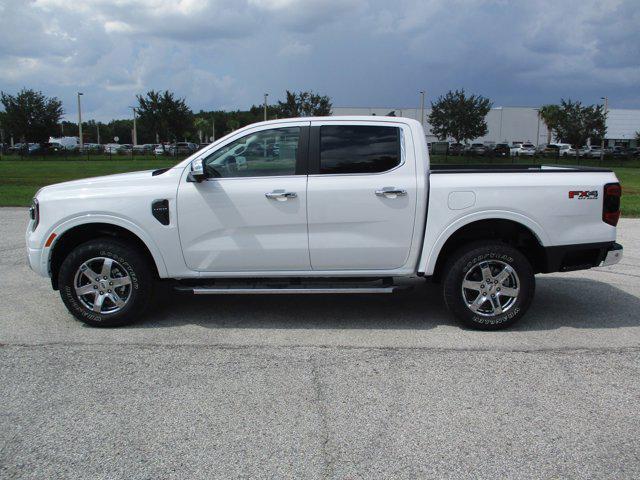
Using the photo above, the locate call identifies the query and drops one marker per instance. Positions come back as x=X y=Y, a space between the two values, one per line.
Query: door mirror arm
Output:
x=197 y=173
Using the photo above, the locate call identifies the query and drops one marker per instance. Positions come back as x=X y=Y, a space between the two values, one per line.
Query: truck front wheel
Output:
x=488 y=285
x=106 y=283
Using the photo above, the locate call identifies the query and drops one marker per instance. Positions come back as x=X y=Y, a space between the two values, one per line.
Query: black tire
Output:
x=128 y=261
x=470 y=260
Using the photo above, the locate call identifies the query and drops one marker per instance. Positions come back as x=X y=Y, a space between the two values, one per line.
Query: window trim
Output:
x=301 y=163
x=314 y=148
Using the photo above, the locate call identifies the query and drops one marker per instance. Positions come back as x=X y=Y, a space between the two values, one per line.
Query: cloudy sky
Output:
x=223 y=54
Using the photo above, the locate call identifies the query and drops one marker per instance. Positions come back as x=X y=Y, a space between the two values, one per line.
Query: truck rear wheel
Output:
x=106 y=283
x=488 y=285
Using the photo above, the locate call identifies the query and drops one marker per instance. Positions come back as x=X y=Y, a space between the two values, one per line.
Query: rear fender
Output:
x=430 y=254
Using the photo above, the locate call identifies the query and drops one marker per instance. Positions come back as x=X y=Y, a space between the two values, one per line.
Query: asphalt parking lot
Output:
x=322 y=387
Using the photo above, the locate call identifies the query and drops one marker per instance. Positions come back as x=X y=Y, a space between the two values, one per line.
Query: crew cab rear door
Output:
x=361 y=195
x=250 y=214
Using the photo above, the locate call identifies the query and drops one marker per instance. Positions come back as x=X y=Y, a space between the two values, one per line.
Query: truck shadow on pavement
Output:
x=559 y=302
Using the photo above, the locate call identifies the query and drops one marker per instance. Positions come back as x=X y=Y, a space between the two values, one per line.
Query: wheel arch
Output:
x=80 y=233
x=507 y=230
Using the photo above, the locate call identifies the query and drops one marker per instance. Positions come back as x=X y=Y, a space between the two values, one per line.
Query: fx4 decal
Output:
x=584 y=194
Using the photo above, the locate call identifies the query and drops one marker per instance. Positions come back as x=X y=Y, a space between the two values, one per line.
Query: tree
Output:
x=30 y=115
x=550 y=115
x=203 y=126
x=573 y=123
x=458 y=116
x=304 y=104
x=168 y=117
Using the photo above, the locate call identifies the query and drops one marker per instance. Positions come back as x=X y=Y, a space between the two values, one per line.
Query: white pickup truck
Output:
x=324 y=206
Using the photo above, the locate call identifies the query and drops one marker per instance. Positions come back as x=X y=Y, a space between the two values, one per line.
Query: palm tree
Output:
x=201 y=125
x=549 y=114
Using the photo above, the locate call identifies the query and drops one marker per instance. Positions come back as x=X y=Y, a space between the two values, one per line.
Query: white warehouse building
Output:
x=517 y=124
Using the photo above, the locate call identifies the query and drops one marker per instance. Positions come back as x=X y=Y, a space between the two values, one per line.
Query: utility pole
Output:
x=213 y=130
x=98 y=132
x=80 y=122
x=135 y=130
x=606 y=109
x=265 y=106
x=422 y=108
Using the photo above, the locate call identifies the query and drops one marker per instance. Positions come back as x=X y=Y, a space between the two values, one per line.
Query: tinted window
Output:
x=358 y=149
x=261 y=154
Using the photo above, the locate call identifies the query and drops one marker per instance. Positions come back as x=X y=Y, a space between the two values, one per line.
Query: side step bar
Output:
x=285 y=290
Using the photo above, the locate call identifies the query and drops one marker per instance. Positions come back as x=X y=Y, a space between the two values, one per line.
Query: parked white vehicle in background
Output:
x=322 y=206
x=70 y=143
x=564 y=149
x=523 y=150
x=581 y=151
x=160 y=149
x=112 y=148
x=592 y=151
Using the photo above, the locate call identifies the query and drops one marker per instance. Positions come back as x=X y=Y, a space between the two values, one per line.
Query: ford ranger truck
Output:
x=321 y=206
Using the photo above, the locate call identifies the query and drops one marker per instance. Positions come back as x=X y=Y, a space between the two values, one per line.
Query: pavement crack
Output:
x=319 y=399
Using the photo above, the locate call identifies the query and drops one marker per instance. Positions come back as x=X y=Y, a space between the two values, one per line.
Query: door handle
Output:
x=391 y=192
x=280 y=195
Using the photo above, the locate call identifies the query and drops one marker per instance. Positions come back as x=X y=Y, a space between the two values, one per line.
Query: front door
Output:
x=361 y=196
x=250 y=214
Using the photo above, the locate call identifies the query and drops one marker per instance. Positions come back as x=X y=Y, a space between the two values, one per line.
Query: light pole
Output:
x=213 y=130
x=80 y=122
x=606 y=108
x=538 y=134
x=98 y=132
x=422 y=108
x=265 y=106
x=135 y=130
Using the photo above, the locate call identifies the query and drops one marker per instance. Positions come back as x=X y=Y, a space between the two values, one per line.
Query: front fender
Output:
x=69 y=223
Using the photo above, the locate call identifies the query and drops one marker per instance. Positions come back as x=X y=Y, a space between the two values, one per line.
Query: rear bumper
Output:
x=567 y=258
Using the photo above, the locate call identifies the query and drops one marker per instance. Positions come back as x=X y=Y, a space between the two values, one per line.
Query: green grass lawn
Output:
x=630 y=181
x=20 y=179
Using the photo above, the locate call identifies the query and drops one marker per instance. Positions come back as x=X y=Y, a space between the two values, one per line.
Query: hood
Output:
x=95 y=185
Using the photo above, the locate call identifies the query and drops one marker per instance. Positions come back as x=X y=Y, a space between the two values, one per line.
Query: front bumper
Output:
x=34 y=258
x=614 y=255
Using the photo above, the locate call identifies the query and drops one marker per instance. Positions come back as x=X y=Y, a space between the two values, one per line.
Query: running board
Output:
x=286 y=290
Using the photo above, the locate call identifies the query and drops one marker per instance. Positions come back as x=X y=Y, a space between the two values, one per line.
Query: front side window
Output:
x=358 y=149
x=261 y=154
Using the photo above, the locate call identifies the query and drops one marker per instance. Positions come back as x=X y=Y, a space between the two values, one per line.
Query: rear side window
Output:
x=358 y=149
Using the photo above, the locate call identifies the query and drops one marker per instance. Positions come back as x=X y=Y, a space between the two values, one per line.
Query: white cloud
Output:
x=226 y=53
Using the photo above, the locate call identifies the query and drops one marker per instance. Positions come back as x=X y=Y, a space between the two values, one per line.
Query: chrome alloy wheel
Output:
x=102 y=285
x=490 y=288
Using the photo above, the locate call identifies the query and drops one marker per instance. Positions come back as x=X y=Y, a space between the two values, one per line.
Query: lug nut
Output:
x=95 y=287
x=101 y=292
x=482 y=286
x=110 y=283
x=108 y=291
x=104 y=278
x=498 y=289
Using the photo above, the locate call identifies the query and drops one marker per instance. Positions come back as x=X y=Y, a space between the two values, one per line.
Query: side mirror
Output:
x=197 y=173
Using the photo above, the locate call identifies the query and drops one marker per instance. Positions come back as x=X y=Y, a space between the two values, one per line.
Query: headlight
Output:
x=34 y=212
